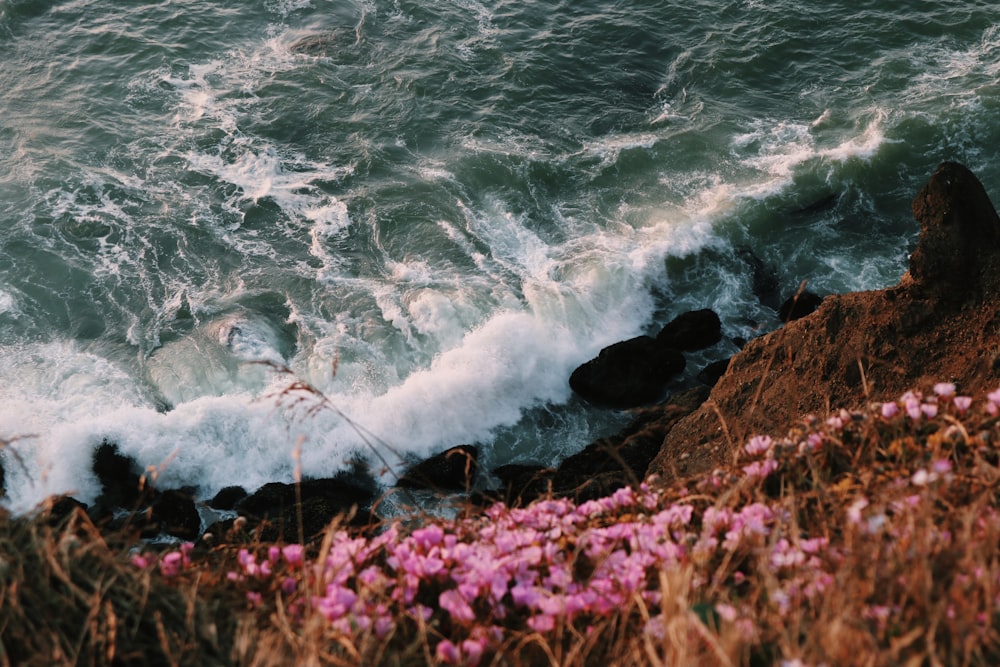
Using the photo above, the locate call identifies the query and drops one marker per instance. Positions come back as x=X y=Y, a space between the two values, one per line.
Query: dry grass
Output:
x=906 y=511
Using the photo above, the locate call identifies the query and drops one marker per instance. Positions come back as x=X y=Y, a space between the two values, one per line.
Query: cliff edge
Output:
x=940 y=323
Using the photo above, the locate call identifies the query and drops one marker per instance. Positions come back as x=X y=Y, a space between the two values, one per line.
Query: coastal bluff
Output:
x=940 y=323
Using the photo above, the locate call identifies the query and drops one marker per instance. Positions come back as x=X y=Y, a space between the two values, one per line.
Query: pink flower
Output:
x=447 y=653
x=170 y=564
x=452 y=602
x=890 y=410
x=930 y=410
x=542 y=623
x=759 y=444
x=473 y=650
x=945 y=389
x=292 y=554
x=854 y=511
x=760 y=469
x=139 y=561
x=962 y=403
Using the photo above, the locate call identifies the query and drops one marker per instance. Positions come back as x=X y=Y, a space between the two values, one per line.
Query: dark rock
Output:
x=120 y=483
x=957 y=255
x=799 y=305
x=713 y=372
x=521 y=483
x=821 y=205
x=320 y=45
x=627 y=374
x=175 y=512
x=693 y=330
x=451 y=470
x=764 y=279
x=227 y=498
x=624 y=459
x=322 y=500
x=58 y=508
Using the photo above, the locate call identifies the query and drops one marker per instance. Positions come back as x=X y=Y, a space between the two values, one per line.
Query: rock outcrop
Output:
x=636 y=372
x=452 y=470
x=940 y=323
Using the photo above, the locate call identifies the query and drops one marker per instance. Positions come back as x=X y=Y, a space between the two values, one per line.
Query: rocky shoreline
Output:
x=940 y=323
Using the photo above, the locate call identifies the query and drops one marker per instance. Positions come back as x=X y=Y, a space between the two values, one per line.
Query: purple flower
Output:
x=447 y=653
x=292 y=554
x=945 y=389
x=759 y=444
x=453 y=603
x=170 y=564
x=760 y=469
x=542 y=623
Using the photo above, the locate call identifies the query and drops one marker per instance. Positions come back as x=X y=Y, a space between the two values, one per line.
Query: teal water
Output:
x=432 y=211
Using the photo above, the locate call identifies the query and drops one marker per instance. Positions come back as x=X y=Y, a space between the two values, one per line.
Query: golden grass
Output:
x=907 y=512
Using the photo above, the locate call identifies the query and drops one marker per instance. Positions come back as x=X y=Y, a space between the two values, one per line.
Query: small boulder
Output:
x=175 y=512
x=451 y=470
x=627 y=374
x=799 y=305
x=120 y=483
x=693 y=330
x=227 y=498
x=713 y=372
x=322 y=501
x=521 y=483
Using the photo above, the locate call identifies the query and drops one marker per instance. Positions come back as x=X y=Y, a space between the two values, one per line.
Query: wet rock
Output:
x=693 y=330
x=119 y=479
x=713 y=372
x=451 y=470
x=628 y=374
x=821 y=205
x=799 y=305
x=764 y=279
x=349 y=493
x=175 y=513
x=227 y=498
x=58 y=508
x=624 y=458
x=521 y=483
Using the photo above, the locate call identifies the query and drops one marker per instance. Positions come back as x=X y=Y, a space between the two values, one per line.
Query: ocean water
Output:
x=431 y=212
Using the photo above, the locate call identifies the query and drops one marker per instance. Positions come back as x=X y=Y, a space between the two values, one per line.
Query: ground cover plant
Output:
x=862 y=538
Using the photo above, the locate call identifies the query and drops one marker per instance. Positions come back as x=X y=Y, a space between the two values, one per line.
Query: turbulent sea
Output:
x=432 y=211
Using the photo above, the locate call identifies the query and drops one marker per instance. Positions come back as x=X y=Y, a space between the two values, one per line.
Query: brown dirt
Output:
x=941 y=323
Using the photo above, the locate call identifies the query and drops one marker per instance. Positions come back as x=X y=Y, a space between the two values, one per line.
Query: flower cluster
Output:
x=742 y=546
